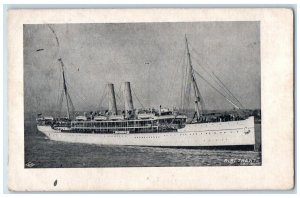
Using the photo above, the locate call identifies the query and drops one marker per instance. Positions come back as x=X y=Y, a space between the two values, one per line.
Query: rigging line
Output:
x=67 y=98
x=188 y=87
x=181 y=90
x=60 y=102
x=184 y=90
x=137 y=98
x=72 y=73
x=214 y=78
x=228 y=90
x=47 y=80
x=73 y=69
x=122 y=99
x=181 y=84
x=205 y=69
x=59 y=85
x=76 y=96
x=72 y=105
x=76 y=93
x=216 y=89
x=181 y=61
x=184 y=82
x=221 y=85
x=119 y=96
x=202 y=103
x=173 y=77
x=210 y=70
x=148 y=86
x=103 y=96
x=184 y=85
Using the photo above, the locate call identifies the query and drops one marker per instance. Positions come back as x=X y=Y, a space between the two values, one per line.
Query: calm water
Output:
x=43 y=153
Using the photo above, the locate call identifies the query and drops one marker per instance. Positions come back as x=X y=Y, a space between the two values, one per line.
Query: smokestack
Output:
x=112 y=105
x=128 y=99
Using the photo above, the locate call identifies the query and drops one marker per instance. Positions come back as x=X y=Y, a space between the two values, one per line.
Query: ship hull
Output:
x=218 y=134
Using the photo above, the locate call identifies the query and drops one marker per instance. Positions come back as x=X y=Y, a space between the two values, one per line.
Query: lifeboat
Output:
x=81 y=118
x=116 y=117
x=100 y=118
x=145 y=116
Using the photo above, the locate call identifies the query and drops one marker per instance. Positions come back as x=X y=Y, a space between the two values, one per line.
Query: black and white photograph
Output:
x=168 y=94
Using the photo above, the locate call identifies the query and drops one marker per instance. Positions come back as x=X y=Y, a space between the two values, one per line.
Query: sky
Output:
x=149 y=55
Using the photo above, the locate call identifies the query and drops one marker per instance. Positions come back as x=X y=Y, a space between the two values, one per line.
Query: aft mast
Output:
x=194 y=83
x=65 y=87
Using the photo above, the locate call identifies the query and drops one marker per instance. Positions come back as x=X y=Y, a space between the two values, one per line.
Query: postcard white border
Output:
x=277 y=168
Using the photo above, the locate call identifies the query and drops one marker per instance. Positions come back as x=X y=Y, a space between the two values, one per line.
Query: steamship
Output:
x=159 y=127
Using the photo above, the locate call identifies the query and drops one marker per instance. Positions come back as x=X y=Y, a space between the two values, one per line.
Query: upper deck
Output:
x=153 y=124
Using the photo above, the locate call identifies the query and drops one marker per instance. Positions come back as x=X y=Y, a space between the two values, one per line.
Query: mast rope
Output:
x=60 y=102
x=137 y=98
x=174 y=78
x=120 y=102
x=71 y=103
x=202 y=103
x=187 y=87
x=220 y=84
x=59 y=92
x=182 y=81
x=216 y=89
x=103 y=96
x=217 y=80
x=214 y=79
x=81 y=97
x=230 y=93
x=173 y=75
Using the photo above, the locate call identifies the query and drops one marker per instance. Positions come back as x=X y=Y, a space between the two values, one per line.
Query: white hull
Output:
x=232 y=133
